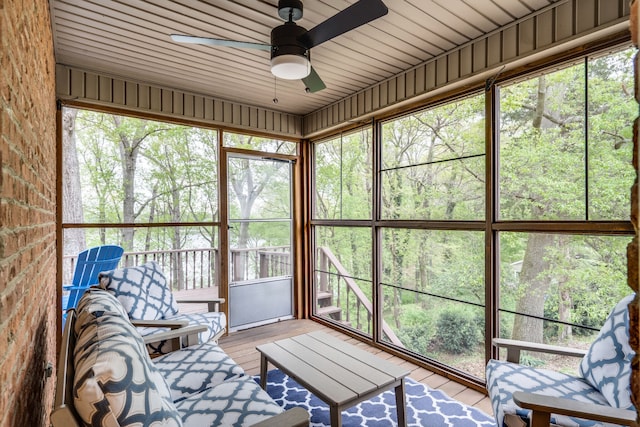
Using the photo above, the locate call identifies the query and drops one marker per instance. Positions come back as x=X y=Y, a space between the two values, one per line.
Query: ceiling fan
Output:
x=291 y=44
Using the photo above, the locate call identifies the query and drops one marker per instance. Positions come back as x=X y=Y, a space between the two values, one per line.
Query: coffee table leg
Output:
x=336 y=416
x=263 y=371
x=401 y=404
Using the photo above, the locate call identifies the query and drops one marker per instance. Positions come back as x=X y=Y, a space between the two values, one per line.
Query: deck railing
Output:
x=256 y=263
x=356 y=307
x=198 y=268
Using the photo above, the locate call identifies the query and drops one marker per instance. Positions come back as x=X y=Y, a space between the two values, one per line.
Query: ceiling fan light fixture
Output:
x=290 y=66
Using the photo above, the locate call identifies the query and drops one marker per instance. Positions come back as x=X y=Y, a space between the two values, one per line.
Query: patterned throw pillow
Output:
x=142 y=290
x=115 y=383
x=607 y=364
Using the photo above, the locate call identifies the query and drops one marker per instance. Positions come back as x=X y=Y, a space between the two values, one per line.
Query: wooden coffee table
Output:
x=336 y=372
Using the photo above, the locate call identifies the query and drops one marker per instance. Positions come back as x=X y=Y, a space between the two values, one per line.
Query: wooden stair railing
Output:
x=324 y=296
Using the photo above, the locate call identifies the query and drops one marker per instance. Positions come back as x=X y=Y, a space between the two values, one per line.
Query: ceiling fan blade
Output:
x=313 y=82
x=219 y=42
x=357 y=14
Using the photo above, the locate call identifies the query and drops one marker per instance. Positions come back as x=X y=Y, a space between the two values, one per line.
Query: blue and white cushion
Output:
x=142 y=290
x=115 y=383
x=99 y=300
x=215 y=322
x=505 y=378
x=196 y=368
x=607 y=365
x=234 y=403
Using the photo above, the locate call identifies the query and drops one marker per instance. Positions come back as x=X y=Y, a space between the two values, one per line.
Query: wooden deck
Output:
x=241 y=346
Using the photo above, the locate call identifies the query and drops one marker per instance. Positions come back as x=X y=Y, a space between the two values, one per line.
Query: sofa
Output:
x=107 y=378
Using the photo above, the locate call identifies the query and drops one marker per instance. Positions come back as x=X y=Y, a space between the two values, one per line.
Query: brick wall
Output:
x=27 y=213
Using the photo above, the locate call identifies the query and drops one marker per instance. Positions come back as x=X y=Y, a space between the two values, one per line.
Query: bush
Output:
x=457 y=330
x=415 y=338
x=417 y=328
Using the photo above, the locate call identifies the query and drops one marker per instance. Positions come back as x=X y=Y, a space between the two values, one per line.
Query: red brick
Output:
x=27 y=235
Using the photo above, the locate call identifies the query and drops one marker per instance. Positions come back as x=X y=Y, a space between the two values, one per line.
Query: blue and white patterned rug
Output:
x=425 y=406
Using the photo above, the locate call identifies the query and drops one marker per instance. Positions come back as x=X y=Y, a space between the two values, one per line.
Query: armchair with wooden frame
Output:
x=146 y=296
x=600 y=395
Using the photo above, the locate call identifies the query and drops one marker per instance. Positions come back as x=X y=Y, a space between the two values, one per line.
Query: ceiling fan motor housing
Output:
x=290 y=10
x=285 y=41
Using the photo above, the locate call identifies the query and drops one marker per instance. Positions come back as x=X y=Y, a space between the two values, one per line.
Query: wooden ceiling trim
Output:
x=102 y=90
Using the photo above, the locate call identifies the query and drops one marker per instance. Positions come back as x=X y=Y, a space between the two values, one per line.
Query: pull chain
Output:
x=275 y=90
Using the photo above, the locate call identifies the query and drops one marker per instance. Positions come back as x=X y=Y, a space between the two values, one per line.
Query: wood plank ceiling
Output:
x=130 y=38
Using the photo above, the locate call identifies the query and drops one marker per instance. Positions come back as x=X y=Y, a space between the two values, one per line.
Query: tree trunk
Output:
x=152 y=216
x=128 y=158
x=533 y=286
x=74 y=238
x=564 y=314
x=178 y=268
x=565 y=302
x=539 y=111
x=129 y=149
x=422 y=271
x=396 y=307
x=398 y=265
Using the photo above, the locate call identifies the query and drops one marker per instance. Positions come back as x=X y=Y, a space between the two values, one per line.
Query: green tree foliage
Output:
x=343 y=176
x=139 y=171
x=433 y=163
x=433 y=169
x=564 y=155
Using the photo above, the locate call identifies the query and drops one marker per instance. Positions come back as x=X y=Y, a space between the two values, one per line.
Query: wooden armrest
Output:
x=543 y=406
x=514 y=347
x=172 y=324
x=174 y=333
x=212 y=303
x=294 y=417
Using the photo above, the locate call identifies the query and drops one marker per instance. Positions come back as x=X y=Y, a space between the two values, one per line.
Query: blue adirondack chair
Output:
x=90 y=262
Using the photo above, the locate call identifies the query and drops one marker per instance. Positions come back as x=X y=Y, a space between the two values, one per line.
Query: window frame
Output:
x=491 y=225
